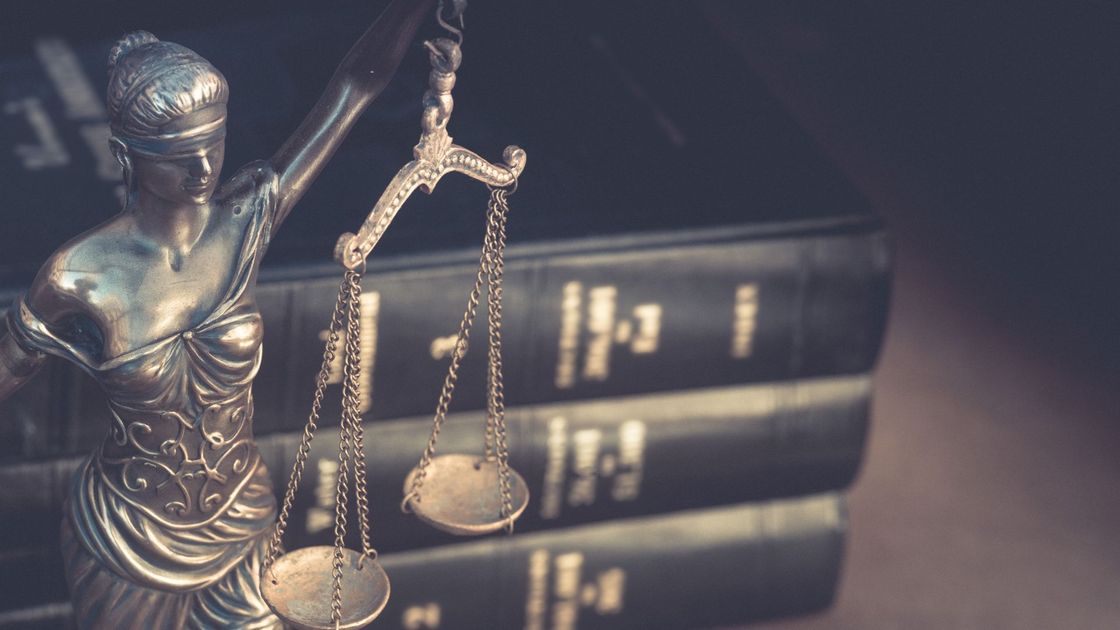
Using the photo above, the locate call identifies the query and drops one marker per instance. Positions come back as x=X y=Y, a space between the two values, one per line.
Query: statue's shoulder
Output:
x=71 y=278
x=255 y=181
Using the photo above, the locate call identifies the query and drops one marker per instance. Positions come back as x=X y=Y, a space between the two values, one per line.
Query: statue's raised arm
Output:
x=359 y=79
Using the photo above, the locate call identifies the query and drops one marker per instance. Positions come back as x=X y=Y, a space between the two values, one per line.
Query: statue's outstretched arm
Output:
x=51 y=304
x=359 y=79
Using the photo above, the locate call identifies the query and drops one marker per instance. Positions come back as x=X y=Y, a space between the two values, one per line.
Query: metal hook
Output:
x=406 y=502
x=509 y=189
x=458 y=7
x=432 y=48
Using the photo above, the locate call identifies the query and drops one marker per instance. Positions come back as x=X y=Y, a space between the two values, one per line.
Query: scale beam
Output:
x=434 y=156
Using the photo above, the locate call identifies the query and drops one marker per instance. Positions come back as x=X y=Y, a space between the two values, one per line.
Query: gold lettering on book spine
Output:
x=422 y=616
x=556 y=592
x=566 y=591
x=585 y=468
x=745 y=321
x=571 y=324
x=320 y=516
x=555 y=470
x=536 y=594
x=601 y=330
x=627 y=483
x=648 y=337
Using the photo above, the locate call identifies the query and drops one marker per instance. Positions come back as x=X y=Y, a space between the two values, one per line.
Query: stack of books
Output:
x=694 y=300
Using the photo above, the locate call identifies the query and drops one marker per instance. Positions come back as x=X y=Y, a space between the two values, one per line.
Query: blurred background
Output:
x=929 y=191
x=986 y=135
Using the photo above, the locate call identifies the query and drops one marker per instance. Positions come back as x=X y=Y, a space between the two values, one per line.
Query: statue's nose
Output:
x=201 y=168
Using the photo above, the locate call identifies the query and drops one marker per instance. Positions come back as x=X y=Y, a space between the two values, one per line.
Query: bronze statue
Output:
x=167 y=522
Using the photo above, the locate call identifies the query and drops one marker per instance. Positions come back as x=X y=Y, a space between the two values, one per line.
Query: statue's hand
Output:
x=374 y=58
x=360 y=78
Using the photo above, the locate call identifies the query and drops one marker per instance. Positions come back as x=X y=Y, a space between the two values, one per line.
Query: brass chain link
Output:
x=490 y=271
x=352 y=409
x=275 y=544
x=351 y=446
x=341 y=511
x=496 y=406
x=493 y=288
x=449 y=381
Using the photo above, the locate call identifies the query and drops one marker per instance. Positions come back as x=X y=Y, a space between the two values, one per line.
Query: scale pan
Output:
x=300 y=585
x=461 y=495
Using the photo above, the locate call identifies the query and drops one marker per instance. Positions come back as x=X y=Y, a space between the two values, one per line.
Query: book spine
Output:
x=53 y=616
x=616 y=322
x=583 y=461
x=695 y=569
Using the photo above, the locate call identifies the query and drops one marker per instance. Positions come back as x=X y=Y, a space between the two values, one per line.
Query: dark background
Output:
x=987 y=135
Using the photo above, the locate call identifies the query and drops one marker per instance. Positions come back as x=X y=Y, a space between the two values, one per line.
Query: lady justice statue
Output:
x=166 y=523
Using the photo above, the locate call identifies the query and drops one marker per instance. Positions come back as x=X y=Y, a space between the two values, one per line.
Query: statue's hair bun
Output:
x=128 y=43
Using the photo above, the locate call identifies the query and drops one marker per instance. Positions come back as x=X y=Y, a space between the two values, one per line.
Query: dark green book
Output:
x=584 y=461
x=695 y=569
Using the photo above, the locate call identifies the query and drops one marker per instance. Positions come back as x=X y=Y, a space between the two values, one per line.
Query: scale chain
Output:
x=276 y=543
x=345 y=455
x=351 y=450
x=434 y=151
x=340 y=513
x=352 y=404
x=499 y=209
x=490 y=273
x=351 y=444
x=494 y=387
x=449 y=382
x=493 y=378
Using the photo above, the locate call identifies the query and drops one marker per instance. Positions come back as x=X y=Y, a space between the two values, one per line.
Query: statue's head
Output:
x=167 y=112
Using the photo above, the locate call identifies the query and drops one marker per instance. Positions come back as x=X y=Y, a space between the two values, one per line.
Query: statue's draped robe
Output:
x=167 y=522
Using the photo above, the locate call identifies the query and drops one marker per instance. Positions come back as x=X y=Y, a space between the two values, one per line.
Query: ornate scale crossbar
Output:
x=327 y=587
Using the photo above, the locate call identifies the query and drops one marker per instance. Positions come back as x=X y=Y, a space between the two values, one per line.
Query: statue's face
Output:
x=185 y=174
